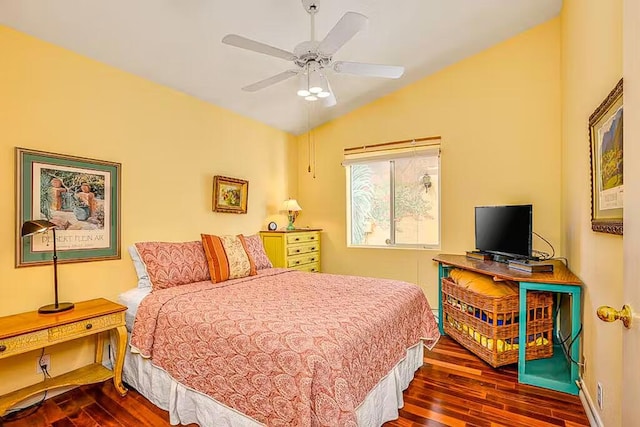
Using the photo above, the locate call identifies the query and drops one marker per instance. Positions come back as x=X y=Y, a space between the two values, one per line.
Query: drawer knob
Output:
x=297 y=262
x=312 y=238
x=313 y=270
x=313 y=259
x=313 y=248
x=297 y=238
x=89 y=326
x=3 y=347
x=297 y=250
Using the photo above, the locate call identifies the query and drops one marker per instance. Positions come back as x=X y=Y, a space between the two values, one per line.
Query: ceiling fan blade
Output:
x=370 y=70
x=270 y=81
x=245 y=43
x=347 y=27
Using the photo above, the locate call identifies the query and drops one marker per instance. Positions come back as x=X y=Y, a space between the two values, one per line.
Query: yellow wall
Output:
x=591 y=67
x=498 y=113
x=170 y=146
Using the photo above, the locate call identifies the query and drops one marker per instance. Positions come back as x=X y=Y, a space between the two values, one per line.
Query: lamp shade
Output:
x=291 y=205
x=36 y=226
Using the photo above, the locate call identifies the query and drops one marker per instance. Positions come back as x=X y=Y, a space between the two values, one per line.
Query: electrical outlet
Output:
x=44 y=360
x=599 y=395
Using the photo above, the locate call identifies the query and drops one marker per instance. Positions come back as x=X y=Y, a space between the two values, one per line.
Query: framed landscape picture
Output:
x=230 y=194
x=607 y=186
x=80 y=196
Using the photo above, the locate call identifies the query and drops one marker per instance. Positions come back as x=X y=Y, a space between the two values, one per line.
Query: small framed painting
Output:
x=230 y=194
x=607 y=186
x=80 y=196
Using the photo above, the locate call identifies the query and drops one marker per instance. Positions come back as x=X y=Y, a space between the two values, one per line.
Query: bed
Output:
x=282 y=347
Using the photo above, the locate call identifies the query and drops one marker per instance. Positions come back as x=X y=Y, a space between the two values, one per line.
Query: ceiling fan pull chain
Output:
x=308 y=142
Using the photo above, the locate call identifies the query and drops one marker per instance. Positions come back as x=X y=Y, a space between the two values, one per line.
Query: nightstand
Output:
x=299 y=249
x=30 y=331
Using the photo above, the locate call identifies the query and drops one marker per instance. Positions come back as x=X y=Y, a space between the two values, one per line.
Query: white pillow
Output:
x=141 y=268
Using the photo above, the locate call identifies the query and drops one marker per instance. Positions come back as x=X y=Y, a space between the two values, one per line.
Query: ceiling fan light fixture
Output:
x=311 y=98
x=316 y=82
x=323 y=94
x=303 y=85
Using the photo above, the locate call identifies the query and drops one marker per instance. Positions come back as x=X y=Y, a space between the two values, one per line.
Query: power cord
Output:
x=545 y=255
x=20 y=413
x=566 y=350
x=43 y=366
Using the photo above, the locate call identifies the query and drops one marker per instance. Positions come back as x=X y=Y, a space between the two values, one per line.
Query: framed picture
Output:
x=230 y=194
x=607 y=189
x=81 y=196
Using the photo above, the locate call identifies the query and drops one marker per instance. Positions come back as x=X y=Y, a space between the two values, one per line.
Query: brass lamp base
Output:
x=51 y=308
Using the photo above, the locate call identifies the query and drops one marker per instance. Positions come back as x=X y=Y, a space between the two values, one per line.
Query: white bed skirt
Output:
x=186 y=405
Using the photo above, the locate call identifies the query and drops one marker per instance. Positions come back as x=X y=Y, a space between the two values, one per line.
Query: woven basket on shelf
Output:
x=488 y=326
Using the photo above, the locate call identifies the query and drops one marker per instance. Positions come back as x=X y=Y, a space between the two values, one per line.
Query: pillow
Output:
x=227 y=258
x=255 y=250
x=173 y=264
x=216 y=258
x=141 y=268
x=483 y=284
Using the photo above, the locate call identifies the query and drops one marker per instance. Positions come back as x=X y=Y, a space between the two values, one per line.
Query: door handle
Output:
x=610 y=314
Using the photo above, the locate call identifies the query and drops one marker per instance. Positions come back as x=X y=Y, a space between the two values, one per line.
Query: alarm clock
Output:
x=272 y=226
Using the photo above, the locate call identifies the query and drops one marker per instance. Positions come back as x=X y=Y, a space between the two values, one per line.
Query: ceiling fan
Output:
x=313 y=58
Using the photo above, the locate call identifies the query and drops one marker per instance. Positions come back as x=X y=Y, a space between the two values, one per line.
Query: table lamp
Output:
x=292 y=207
x=41 y=226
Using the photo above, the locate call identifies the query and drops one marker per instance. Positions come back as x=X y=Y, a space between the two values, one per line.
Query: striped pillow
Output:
x=227 y=258
x=216 y=258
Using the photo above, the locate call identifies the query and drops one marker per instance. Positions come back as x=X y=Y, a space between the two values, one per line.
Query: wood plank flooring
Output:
x=452 y=388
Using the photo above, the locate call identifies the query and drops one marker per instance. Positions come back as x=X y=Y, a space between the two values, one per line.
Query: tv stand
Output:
x=556 y=373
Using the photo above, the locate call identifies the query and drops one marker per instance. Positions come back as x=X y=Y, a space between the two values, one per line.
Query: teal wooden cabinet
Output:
x=559 y=372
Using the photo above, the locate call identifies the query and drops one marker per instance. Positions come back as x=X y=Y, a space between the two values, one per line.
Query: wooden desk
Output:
x=556 y=373
x=30 y=331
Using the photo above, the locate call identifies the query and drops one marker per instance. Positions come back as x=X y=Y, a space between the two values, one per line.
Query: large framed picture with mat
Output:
x=80 y=196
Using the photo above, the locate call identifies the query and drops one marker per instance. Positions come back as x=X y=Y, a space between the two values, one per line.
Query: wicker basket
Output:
x=488 y=326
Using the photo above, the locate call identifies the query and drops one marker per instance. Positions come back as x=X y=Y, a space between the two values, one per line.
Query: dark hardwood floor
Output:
x=453 y=388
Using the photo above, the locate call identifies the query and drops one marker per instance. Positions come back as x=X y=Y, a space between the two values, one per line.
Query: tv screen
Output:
x=505 y=230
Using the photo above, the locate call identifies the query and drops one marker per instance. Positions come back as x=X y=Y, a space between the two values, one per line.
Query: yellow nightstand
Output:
x=299 y=249
x=25 y=332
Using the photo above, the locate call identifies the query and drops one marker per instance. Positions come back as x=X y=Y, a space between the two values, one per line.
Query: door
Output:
x=631 y=239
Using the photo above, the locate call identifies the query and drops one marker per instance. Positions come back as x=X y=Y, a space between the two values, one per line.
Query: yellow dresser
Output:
x=299 y=249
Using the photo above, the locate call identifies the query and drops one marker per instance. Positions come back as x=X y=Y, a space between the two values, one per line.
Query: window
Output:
x=393 y=197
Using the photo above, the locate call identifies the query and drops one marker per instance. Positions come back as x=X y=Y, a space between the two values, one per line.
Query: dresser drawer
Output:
x=311 y=268
x=311 y=236
x=23 y=343
x=299 y=260
x=85 y=327
x=303 y=249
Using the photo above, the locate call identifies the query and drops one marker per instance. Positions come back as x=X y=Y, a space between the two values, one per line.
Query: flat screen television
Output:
x=505 y=230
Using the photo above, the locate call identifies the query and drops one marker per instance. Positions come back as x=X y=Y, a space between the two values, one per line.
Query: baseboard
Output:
x=589 y=407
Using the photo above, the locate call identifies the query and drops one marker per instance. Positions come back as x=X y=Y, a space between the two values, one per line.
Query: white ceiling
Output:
x=177 y=43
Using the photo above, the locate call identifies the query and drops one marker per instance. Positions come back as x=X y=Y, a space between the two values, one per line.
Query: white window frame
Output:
x=389 y=155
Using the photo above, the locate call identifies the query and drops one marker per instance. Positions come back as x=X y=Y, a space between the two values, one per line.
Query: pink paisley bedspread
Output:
x=284 y=347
